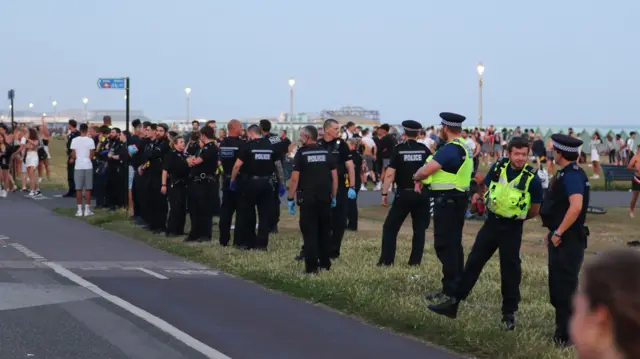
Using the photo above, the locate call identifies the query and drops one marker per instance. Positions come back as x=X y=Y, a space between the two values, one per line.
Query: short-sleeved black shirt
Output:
x=279 y=146
x=258 y=158
x=209 y=155
x=315 y=165
x=406 y=159
x=356 y=157
x=385 y=149
x=175 y=163
x=229 y=150
x=340 y=152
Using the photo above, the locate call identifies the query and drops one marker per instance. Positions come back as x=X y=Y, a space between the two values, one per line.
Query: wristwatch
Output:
x=384 y=194
x=289 y=199
x=557 y=234
x=164 y=185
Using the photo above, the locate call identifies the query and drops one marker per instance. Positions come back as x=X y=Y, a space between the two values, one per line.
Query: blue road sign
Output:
x=118 y=83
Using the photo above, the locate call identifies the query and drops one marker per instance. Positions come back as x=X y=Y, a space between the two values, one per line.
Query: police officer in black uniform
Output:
x=202 y=187
x=315 y=182
x=157 y=201
x=564 y=212
x=229 y=149
x=116 y=172
x=100 y=167
x=406 y=159
x=175 y=177
x=144 y=175
x=257 y=162
x=280 y=149
x=73 y=133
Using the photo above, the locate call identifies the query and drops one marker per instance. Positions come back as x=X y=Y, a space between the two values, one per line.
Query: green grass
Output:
x=391 y=297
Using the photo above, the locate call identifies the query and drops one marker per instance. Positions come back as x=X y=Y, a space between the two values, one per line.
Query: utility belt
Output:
x=203 y=177
x=260 y=178
x=179 y=183
x=309 y=196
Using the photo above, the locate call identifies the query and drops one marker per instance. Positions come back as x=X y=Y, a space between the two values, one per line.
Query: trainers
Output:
x=87 y=213
x=363 y=188
x=3 y=193
x=79 y=213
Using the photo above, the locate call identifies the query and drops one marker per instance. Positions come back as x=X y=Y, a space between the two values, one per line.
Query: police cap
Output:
x=452 y=119
x=566 y=143
x=411 y=125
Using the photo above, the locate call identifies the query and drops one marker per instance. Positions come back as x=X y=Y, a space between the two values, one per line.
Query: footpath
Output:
x=113 y=297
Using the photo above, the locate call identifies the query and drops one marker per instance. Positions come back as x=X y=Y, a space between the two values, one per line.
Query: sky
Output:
x=547 y=62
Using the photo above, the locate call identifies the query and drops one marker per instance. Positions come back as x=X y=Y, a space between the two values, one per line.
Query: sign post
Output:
x=121 y=83
x=12 y=94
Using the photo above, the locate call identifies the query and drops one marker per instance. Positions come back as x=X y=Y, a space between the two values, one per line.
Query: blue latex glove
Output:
x=104 y=152
x=333 y=202
x=232 y=186
x=281 y=189
x=352 y=193
x=292 y=205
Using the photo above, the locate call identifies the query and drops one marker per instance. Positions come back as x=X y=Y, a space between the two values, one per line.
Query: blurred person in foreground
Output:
x=606 y=308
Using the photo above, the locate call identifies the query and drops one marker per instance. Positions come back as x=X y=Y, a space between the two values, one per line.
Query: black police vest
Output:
x=556 y=203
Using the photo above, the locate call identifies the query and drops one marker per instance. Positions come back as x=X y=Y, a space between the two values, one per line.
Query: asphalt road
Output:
x=76 y=291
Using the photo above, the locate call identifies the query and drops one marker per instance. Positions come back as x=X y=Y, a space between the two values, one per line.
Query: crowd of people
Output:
x=161 y=176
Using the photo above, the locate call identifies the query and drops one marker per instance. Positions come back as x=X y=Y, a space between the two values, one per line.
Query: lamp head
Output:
x=187 y=90
x=292 y=82
x=480 y=69
x=85 y=100
x=30 y=105
x=54 y=102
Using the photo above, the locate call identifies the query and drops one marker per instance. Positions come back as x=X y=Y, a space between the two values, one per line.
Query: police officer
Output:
x=257 y=161
x=315 y=181
x=202 y=187
x=514 y=195
x=564 y=212
x=280 y=149
x=100 y=168
x=346 y=182
x=116 y=172
x=157 y=201
x=73 y=133
x=448 y=173
x=229 y=147
x=144 y=176
x=406 y=160
x=175 y=177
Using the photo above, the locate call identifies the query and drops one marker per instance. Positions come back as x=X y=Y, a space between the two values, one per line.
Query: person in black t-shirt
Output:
x=352 y=204
x=229 y=148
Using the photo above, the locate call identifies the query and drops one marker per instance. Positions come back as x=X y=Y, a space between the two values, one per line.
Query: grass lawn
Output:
x=392 y=297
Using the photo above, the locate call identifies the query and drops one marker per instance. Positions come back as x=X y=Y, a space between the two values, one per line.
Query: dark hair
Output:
x=135 y=123
x=311 y=131
x=265 y=125
x=194 y=136
x=33 y=134
x=255 y=129
x=105 y=130
x=210 y=122
x=195 y=121
x=84 y=128
x=106 y=120
x=411 y=133
x=518 y=142
x=349 y=124
x=116 y=129
x=164 y=126
x=173 y=134
x=73 y=123
x=153 y=126
x=385 y=127
x=612 y=280
x=175 y=140
x=327 y=123
x=207 y=132
x=146 y=124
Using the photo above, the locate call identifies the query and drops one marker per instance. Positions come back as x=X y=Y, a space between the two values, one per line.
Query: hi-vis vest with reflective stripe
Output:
x=445 y=181
x=509 y=199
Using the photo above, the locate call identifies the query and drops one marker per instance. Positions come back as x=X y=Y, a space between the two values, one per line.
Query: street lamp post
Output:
x=54 y=103
x=85 y=101
x=292 y=82
x=480 y=69
x=188 y=92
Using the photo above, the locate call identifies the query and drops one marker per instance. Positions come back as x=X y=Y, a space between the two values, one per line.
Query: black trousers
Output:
x=352 y=211
x=158 y=205
x=228 y=208
x=134 y=192
x=505 y=236
x=216 y=200
x=338 y=221
x=177 y=198
x=142 y=184
x=100 y=189
x=70 y=179
x=314 y=214
x=200 y=196
x=276 y=209
x=565 y=261
x=406 y=202
x=448 y=220
x=115 y=186
x=256 y=194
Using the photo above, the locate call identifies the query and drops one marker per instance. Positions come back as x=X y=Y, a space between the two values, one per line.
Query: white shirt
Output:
x=83 y=146
x=427 y=141
x=347 y=135
x=367 y=140
x=630 y=144
x=544 y=177
x=471 y=144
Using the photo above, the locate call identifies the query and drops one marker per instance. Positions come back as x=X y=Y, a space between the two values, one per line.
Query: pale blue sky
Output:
x=548 y=62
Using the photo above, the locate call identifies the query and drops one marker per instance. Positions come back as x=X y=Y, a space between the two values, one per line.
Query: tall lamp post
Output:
x=292 y=82
x=188 y=92
x=54 y=103
x=85 y=101
x=480 y=69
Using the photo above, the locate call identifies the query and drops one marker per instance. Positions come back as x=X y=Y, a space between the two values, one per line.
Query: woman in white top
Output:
x=31 y=161
x=595 y=144
x=17 y=159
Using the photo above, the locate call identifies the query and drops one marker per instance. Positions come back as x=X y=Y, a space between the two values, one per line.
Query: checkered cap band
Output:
x=451 y=124
x=411 y=129
x=565 y=148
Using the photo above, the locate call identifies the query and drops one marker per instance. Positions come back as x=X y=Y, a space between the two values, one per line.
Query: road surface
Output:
x=72 y=290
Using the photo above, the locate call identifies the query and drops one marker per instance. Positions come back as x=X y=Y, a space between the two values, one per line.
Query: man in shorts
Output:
x=369 y=156
x=82 y=151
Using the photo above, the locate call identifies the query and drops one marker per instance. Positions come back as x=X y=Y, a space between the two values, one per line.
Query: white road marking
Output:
x=185 y=338
x=192 y=271
x=3 y=237
x=24 y=250
x=152 y=273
